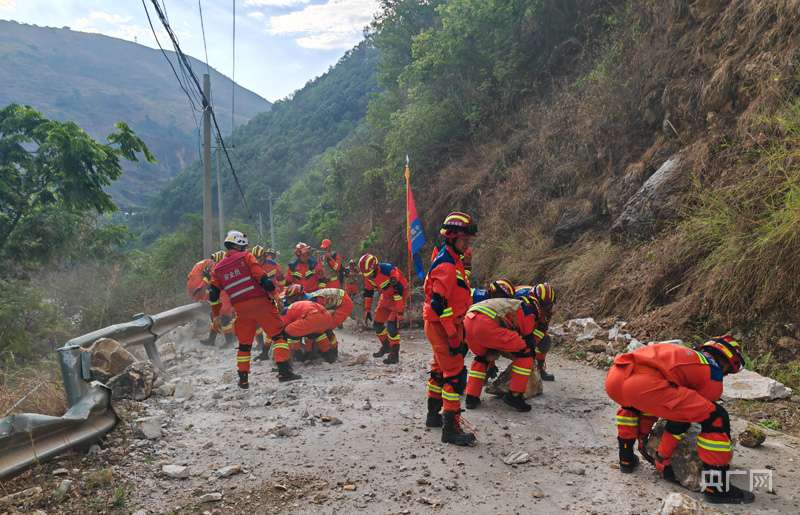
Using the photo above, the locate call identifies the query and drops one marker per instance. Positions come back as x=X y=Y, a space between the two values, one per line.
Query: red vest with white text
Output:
x=236 y=279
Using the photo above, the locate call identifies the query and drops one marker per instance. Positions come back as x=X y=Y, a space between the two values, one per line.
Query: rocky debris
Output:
x=681 y=504
x=500 y=385
x=109 y=358
x=537 y=494
x=752 y=437
x=175 y=471
x=573 y=221
x=590 y=328
x=135 y=382
x=747 y=384
x=212 y=497
x=30 y=492
x=685 y=462
x=655 y=202
x=516 y=457
x=229 y=471
x=63 y=488
x=184 y=390
x=165 y=390
x=149 y=427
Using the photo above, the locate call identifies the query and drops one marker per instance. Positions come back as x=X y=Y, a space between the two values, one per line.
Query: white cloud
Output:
x=81 y=22
x=257 y=15
x=111 y=18
x=273 y=3
x=6 y=5
x=337 y=24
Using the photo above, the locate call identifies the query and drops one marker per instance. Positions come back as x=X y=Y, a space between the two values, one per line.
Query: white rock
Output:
x=634 y=344
x=613 y=333
x=587 y=335
x=212 y=497
x=166 y=390
x=184 y=390
x=751 y=385
x=681 y=504
x=585 y=323
x=515 y=457
x=556 y=330
x=176 y=471
x=64 y=487
x=149 y=427
x=670 y=342
x=229 y=471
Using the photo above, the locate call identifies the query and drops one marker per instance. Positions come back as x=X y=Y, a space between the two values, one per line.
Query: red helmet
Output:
x=546 y=296
x=367 y=264
x=270 y=252
x=326 y=243
x=728 y=347
x=258 y=252
x=458 y=223
x=293 y=292
x=532 y=302
x=501 y=289
x=301 y=248
x=218 y=256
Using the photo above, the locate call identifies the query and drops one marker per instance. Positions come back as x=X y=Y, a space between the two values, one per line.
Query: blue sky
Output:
x=280 y=44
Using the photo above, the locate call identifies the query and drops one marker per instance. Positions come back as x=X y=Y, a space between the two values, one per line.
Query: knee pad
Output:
x=329 y=334
x=482 y=359
x=459 y=382
x=717 y=422
x=544 y=344
x=524 y=353
x=437 y=377
x=378 y=327
x=391 y=328
x=245 y=348
x=677 y=428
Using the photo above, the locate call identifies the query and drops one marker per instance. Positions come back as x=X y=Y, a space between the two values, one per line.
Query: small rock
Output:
x=537 y=494
x=64 y=488
x=212 y=497
x=176 y=471
x=320 y=497
x=166 y=390
x=335 y=421
x=367 y=405
x=681 y=504
x=516 y=457
x=21 y=495
x=282 y=488
x=149 y=427
x=752 y=437
x=363 y=358
x=349 y=487
x=184 y=390
x=60 y=472
x=229 y=471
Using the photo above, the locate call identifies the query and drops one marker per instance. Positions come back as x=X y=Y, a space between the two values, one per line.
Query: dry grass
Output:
x=31 y=390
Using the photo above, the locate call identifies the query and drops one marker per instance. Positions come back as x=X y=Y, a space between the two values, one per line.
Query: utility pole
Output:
x=222 y=233
x=207 y=244
x=271 y=223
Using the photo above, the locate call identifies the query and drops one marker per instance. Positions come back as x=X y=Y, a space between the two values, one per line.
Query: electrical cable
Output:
x=233 y=75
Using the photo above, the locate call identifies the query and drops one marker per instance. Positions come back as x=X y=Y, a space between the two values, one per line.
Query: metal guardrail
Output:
x=26 y=439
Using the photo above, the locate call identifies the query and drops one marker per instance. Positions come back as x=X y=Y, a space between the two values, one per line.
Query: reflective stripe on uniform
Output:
x=713 y=445
x=433 y=388
x=627 y=421
x=242 y=291
x=242 y=359
x=537 y=333
x=520 y=370
x=281 y=345
x=452 y=397
x=475 y=373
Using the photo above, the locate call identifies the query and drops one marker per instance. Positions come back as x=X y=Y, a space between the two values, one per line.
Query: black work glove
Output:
x=491 y=372
x=268 y=285
x=367 y=318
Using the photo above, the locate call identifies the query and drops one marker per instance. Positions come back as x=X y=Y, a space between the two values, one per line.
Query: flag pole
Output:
x=408 y=240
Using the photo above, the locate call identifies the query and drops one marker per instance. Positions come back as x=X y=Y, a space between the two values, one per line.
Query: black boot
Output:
x=243 y=382
x=331 y=355
x=517 y=402
x=452 y=431
x=264 y=356
x=543 y=371
x=719 y=490
x=211 y=340
x=434 y=418
x=394 y=355
x=383 y=350
x=300 y=356
x=472 y=401
x=285 y=372
x=627 y=460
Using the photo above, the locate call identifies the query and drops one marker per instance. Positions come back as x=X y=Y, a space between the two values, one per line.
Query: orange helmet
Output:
x=218 y=256
x=457 y=224
x=501 y=289
x=301 y=248
x=293 y=293
x=546 y=296
x=258 y=252
x=326 y=243
x=728 y=347
x=367 y=264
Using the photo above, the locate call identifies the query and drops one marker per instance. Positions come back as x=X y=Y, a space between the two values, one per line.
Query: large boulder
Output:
x=574 y=221
x=501 y=384
x=109 y=358
x=656 y=201
x=135 y=382
x=747 y=384
x=686 y=464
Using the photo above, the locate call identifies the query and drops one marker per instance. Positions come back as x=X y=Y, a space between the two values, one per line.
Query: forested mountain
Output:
x=97 y=81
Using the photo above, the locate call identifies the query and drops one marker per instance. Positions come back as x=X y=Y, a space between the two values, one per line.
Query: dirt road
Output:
x=297 y=458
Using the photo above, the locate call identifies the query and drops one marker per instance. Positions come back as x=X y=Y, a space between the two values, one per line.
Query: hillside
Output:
x=97 y=81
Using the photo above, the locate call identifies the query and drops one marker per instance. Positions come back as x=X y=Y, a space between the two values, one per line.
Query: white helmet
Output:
x=235 y=238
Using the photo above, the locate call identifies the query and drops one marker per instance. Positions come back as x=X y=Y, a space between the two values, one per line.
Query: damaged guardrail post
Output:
x=73 y=373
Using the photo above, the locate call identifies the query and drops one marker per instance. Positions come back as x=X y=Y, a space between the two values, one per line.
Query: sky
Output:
x=279 y=45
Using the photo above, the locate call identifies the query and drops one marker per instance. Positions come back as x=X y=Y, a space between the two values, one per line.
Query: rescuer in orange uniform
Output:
x=351 y=279
x=682 y=386
x=197 y=286
x=249 y=289
x=546 y=300
x=309 y=320
x=304 y=270
x=466 y=258
x=336 y=301
x=393 y=288
x=266 y=258
x=332 y=265
x=447 y=298
x=500 y=289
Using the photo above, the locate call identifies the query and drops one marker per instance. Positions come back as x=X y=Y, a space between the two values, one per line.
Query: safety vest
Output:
x=236 y=279
x=501 y=311
x=330 y=273
x=328 y=297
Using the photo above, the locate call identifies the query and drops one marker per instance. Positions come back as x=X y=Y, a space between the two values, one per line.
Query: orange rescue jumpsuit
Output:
x=332 y=265
x=197 y=284
x=309 y=275
x=309 y=320
x=392 y=284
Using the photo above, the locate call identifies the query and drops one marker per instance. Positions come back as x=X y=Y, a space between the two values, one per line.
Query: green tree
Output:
x=50 y=170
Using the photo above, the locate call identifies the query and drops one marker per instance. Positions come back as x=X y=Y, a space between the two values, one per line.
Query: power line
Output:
x=233 y=73
x=203 y=29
